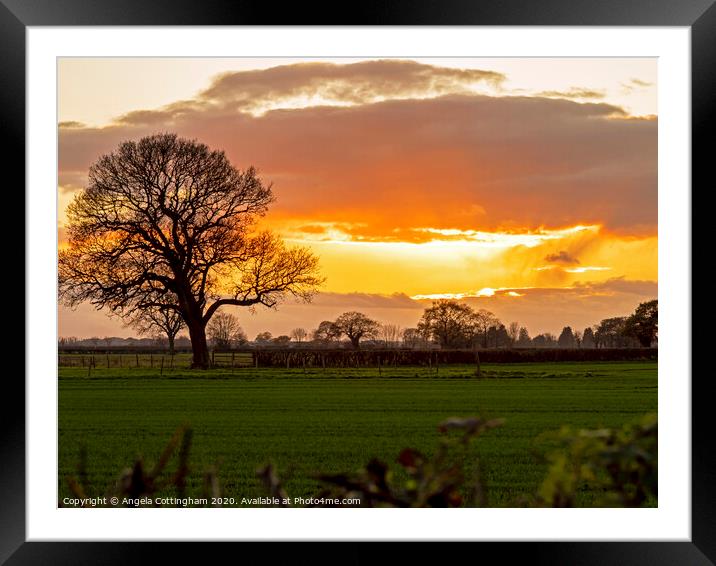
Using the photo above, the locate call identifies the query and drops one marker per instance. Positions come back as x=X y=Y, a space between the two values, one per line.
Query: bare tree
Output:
x=299 y=334
x=148 y=321
x=391 y=334
x=166 y=216
x=415 y=338
x=224 y=330
x=356 y=326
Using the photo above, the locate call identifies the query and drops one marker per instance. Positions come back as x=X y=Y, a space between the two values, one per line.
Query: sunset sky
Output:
x=524 y=186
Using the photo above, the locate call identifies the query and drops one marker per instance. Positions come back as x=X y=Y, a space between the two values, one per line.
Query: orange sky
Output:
x=468 y=178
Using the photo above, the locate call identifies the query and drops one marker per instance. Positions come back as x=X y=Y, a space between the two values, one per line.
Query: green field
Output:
x=336 y=420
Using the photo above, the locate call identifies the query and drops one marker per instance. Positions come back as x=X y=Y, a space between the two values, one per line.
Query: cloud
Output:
x=466 y=162
x=638 y=82
x=355 y=83
x=72 y=124
x=574 y=93
x=635 y=84
x=562 y=257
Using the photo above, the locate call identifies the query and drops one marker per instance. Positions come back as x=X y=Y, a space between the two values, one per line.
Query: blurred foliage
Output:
x=619 y=465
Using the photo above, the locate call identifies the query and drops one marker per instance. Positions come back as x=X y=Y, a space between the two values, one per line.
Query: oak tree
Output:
x=168 y=217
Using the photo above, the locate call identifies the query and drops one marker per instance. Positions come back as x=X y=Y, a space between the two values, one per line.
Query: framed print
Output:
x=391 y=279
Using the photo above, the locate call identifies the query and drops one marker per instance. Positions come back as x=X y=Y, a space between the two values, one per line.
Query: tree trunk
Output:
x=355 y=342
x=170 y=337
x=199 y=347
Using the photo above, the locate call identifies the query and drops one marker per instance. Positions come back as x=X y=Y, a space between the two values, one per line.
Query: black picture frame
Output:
x=17 y=15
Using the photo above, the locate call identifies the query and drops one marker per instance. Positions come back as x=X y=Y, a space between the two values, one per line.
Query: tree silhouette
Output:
x=299 y=334
x=168 y=217
x=157 y=318
x=588 y=338
x=326 y=332
x=644 y=323
x=356 y=326
x=566 y=338
x=450 y=323
x=224 y=330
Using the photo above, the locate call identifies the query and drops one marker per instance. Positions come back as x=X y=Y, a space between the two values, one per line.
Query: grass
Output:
x=336 y=420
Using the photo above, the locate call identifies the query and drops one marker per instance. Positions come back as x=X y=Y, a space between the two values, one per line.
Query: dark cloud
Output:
x=562 y=257
x=469 y=162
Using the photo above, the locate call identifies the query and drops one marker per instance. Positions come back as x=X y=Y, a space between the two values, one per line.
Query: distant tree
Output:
x=327 y=332
x=588 y=338
x=523 y=339
x=643 y=324
x=498 y=337
x=578 y=338
x=390 y=333
x=282 y=340
x=263 y=337
x=566 y=338
x=482 y=321
x=513 y=330
x=357 y=326
x=224 y=330
x=415 y=338
x=450 y=323
x=545 y=340
x=159 y=318
x=610 y=333
x=299 y=334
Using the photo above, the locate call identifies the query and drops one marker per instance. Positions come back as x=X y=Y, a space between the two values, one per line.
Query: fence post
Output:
x=380 y=370
x=161 y=370
x=107 y=360
x=437 y=363
x=477 y=361
x=137 y=360
x=232 y=358
x=255 y=353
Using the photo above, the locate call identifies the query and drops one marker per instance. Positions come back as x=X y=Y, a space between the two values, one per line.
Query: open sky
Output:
x=524 y=186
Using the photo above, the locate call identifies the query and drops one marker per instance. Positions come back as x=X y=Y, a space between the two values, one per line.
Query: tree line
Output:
x=446 y=324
